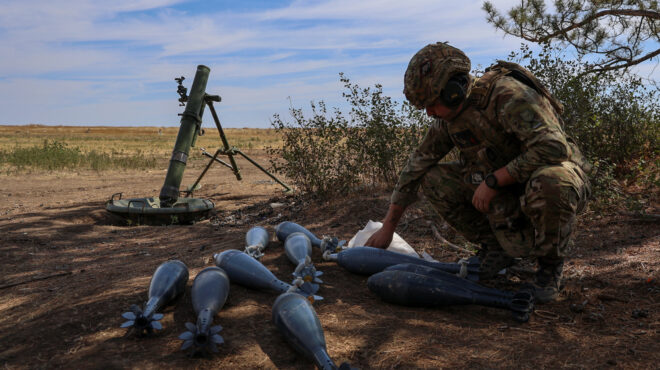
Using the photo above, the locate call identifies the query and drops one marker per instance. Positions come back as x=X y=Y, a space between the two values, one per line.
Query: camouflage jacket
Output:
x=517 y=128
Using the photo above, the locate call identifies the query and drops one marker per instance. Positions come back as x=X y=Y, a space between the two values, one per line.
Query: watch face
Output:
x=491 y=181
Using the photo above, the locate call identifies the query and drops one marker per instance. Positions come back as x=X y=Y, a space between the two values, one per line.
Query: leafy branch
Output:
x=623 y=33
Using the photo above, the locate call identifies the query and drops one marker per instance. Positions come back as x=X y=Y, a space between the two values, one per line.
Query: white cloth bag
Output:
x=398 y=244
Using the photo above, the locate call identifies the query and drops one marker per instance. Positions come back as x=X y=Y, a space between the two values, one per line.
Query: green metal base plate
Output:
x=147 y=211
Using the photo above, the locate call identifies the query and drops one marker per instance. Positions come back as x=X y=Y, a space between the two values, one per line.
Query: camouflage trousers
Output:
x=532 y=219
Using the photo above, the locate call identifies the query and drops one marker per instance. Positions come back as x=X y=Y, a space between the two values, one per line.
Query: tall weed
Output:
x=55 y=155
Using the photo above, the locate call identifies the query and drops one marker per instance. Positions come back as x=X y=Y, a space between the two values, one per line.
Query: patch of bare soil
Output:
x=68 y=272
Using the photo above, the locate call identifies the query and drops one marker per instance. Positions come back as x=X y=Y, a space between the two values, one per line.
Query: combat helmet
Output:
x=427 y=79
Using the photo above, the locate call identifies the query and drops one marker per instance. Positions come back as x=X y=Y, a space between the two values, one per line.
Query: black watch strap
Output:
x=491 y=181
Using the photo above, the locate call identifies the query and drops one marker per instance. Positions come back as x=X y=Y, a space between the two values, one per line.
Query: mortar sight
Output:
x=182 y=91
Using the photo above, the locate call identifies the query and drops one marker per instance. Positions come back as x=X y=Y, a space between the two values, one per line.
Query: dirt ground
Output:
x=69 y=270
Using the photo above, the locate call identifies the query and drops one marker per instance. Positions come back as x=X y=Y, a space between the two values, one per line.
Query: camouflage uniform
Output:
x=516 y=127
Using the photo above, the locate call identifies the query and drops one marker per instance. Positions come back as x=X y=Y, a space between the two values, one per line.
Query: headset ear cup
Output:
x=454 y=92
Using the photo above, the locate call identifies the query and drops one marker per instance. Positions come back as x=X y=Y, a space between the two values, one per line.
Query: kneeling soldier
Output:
x=520 y=180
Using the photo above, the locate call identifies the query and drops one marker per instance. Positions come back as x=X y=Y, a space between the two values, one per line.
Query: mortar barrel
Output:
x=190 y=121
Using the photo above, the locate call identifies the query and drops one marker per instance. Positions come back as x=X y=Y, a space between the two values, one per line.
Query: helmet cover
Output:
x=429 y=70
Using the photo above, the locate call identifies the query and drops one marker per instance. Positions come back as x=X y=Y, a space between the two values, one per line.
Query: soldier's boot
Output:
x=548 y=281
x=492 y=260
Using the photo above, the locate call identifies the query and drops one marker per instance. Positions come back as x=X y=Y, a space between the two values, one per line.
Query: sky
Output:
x=113 y=63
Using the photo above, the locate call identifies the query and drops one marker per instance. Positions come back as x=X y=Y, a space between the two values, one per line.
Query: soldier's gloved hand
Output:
x=482 y=197
x=381 y=238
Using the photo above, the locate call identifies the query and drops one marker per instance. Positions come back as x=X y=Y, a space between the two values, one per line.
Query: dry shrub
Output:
x=336 y=154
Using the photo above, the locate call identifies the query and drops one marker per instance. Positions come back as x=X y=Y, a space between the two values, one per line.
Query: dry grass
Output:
x=155 y=141
x=114 y=147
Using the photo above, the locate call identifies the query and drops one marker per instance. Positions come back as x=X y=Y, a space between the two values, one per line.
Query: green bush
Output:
x=55 y=155
x=381 y=136
x=614 y=116
x=314 y=154
x=329 y=154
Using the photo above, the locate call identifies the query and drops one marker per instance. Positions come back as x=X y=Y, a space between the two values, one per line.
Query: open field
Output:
x=53 y=226
x=151 y=140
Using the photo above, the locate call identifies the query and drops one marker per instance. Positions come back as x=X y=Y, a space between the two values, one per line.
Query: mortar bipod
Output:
x=230 y=152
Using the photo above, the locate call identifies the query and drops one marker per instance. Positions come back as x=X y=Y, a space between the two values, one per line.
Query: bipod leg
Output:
x=230 y=151
x=288 y=189
x=213 y=158
x=225 y=143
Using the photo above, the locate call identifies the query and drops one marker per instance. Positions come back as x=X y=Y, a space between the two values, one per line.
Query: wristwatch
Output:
x=491 y=181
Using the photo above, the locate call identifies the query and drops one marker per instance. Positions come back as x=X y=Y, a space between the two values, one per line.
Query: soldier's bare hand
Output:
x=482 y=197
x=381 y=238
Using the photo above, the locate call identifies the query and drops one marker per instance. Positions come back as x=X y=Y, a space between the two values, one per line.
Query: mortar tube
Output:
x=190 y=121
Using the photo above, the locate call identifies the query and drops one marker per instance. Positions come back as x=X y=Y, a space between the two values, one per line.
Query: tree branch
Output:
x=446 y=242
x=626 y=65
x=616 y=12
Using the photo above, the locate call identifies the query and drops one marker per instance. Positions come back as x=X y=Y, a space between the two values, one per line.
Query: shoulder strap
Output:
x=484 y=86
